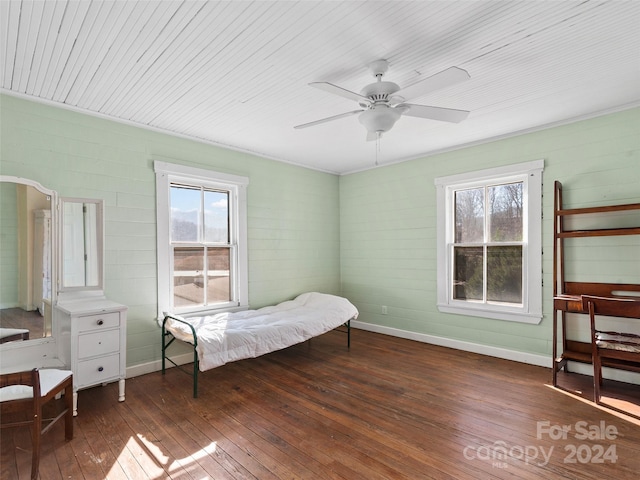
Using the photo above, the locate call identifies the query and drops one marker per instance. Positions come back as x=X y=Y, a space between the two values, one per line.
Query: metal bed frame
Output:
x=168 y=339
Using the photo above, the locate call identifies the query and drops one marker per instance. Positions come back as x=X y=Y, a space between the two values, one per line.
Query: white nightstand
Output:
x=93 y=333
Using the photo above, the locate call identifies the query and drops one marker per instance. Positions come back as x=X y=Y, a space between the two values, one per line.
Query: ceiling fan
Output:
x=382 y=103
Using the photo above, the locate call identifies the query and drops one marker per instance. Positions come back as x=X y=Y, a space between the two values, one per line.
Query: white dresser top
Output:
x=90 y=306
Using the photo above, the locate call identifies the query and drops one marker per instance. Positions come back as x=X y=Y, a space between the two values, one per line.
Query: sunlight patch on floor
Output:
x=140 y=446
x=620 y=414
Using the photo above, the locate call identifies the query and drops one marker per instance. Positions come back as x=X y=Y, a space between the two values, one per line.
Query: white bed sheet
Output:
x=227 y=337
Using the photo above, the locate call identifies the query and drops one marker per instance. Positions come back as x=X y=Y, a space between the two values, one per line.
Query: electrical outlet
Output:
x=384 y=309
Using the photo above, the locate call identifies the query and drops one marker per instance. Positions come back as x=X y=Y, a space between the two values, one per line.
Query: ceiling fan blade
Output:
x=435 y=113
x=343 y=92
x=445 y=78
x=328 y=119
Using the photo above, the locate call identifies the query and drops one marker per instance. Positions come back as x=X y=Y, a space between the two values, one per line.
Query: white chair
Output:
x=28 y=391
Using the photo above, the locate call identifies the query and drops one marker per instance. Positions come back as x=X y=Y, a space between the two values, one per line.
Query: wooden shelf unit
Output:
x=567 y=296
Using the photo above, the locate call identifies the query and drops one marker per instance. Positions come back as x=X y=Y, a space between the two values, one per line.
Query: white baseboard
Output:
x=523 y=357
x=505 y=353
x=156 y=365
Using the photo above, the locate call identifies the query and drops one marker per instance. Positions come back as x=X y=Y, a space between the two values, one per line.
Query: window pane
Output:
x=216 y=217
x=185 y=214
x=505 y=213
x=188 y=277
x=467 y=271
x=469 y=225
x=504 y=274
x=219 y=279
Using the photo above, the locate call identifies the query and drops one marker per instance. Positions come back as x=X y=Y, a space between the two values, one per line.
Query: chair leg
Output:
x=36 y=434
x=68 y=416
x=597 y=378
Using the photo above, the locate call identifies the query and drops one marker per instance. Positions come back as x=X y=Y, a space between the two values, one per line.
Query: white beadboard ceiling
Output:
x=236 y=73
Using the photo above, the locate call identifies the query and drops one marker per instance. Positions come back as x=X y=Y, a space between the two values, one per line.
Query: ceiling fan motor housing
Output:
x=379 y=91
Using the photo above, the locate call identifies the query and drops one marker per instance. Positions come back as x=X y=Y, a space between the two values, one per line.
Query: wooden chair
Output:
x=614 y=349
x=27 y=392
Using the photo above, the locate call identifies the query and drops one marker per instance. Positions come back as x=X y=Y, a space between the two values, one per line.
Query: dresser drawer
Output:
x=98 y=321
x=98 y=343
x=97 y=370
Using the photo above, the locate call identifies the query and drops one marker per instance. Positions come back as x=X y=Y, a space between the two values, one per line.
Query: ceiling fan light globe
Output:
x=379 y=119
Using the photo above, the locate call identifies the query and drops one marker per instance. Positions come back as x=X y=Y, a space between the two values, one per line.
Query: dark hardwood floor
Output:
x=387 y=408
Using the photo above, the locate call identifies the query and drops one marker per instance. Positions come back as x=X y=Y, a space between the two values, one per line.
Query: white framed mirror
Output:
x=27 y=264
x=81 y=245
x=51 y=251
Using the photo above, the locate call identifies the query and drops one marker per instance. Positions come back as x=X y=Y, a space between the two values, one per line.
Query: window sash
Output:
x=486 y=283
x=202 y=225
x=451 y=213
x=481 y=214
x=184 y=293
x=193 y=291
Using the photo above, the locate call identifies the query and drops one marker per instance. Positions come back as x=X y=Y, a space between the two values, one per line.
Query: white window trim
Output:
x=531 y=311
x=168 y=173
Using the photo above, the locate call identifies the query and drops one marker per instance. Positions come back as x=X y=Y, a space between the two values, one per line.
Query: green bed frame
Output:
x=168 y=339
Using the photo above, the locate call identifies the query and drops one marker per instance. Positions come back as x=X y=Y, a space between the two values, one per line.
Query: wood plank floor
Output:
x=387 y=408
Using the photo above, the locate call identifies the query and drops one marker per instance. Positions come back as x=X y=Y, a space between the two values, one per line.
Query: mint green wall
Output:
x=388 y=227
x=293 y=212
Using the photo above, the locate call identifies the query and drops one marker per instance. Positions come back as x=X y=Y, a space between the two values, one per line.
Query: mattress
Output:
x=231 y=336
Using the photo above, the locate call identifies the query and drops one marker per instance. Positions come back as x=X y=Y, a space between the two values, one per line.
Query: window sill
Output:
x=206 y=312
x=520 y=317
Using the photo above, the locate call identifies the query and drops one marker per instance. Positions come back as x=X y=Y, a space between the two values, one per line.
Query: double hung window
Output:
x=489 y=245
x=201 y=240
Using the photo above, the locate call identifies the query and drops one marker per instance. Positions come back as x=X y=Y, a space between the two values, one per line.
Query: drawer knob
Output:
x=100 y=369
x=100 y=322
